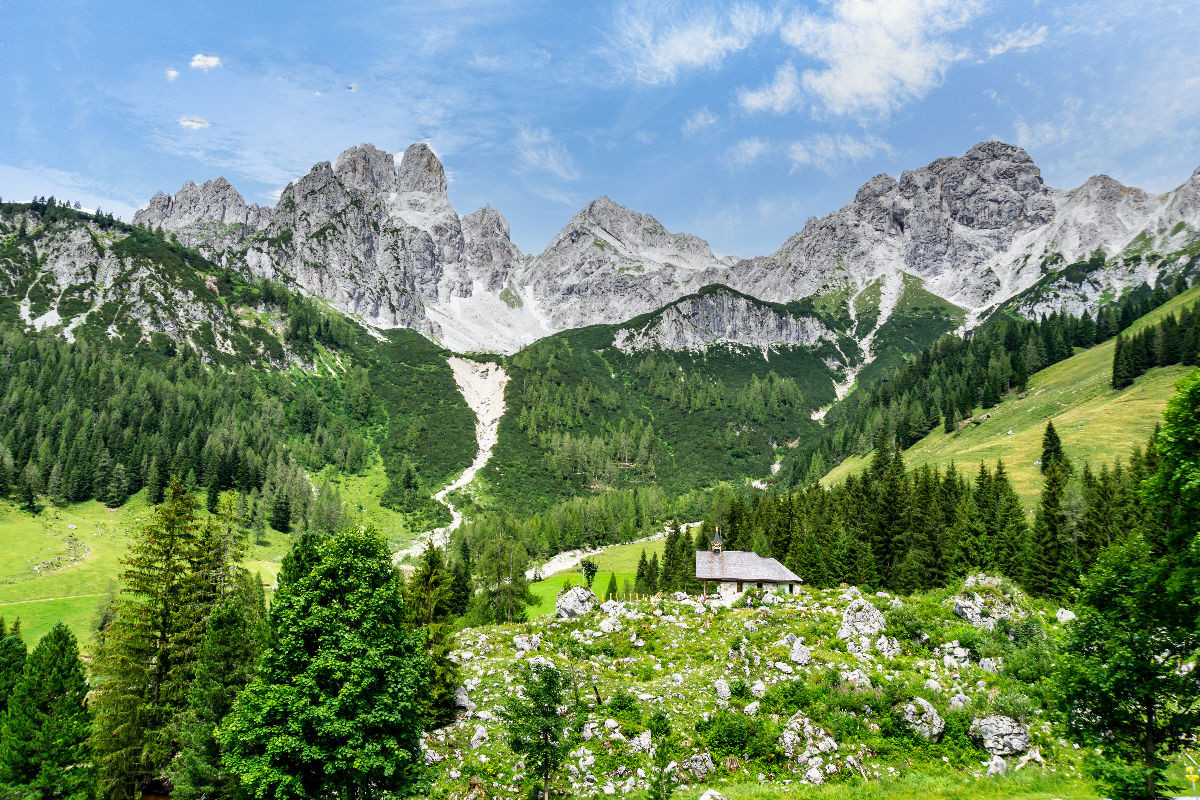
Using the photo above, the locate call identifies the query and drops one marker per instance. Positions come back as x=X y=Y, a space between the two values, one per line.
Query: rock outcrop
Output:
x=574 y=602
x=1000 y=735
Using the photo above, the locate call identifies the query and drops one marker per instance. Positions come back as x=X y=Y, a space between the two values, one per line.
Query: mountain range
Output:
x=380 y=240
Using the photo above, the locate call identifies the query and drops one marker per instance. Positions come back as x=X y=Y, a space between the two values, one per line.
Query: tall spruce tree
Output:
x=44 y=736
x=144 y=662
x=335 y=710
x=235 y=634
x=1044 y=574
x=1052 y=451
x=12 y=661
x=428 y=600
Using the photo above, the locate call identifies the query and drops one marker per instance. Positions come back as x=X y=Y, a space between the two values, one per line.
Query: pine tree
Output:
x=1122 y=373
x=1044 y=570
x=143 y=663
x=652 y=575
x=428 y=596
x=44 y=736
x=641 y=585
x=234 y=637
x=155 y=482
x=1052 y=451
x=612 y=592
x=12 y=662
x=335 y=709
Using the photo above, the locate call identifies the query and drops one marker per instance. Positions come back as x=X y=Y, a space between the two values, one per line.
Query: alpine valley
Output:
x=933 y=414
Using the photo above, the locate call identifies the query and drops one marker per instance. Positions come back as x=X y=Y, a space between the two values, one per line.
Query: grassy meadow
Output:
x=1096 y=424
x=621 y=559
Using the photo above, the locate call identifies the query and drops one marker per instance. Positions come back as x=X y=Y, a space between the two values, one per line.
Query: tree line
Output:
x=1171 y=341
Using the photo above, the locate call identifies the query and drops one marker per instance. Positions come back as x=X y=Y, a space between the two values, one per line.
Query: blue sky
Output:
x=735 y=121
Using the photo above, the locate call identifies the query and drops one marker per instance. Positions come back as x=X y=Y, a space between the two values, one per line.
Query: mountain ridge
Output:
x=380 y=240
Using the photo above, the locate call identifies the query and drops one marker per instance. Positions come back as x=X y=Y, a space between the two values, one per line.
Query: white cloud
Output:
x=1021 y=39
x=538 y=151
x=699 y=120
x=193 y=123
x=204 y=62
x=746 y=151
x=781 y=95
x=878 y=55
x=655 y=42
x=172 y=74
x=827 y=152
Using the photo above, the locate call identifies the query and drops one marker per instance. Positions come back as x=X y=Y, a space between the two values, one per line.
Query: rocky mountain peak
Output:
x=197 y=213
x=366 y=168
x=421 y=171
x=876 y=187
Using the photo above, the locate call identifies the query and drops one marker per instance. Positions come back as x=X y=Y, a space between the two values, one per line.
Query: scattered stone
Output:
x=1000 y=735
x=800 y=654
x=610 y=625
x=888 y=648
x=784 y=667
x=989 y=664
x=752 y=708
x=713 y=794
x=700 y=765
x=525 y=644
x=861 y=619
x=722 y=688
x=1064 y=615
x=857 y=678
x=758 y=689
x=463 y=700
x=997 y=766
x=933 y=685
x=479 y=737
x=959 y=701
x=923 y=718
x=574 y=602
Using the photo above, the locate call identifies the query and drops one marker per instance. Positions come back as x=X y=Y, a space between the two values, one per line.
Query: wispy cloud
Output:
x=23 y=182
x=829 y=152
x=878 y=55
x=538 y=151
x=746 y=151
x=172 y=74
x=193 y=123
x=1021 y=39
x=698 y=120
x=655 y=42
x=204 y=62
x=780 y=95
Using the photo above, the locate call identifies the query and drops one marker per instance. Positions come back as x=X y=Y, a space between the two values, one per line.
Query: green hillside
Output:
x=1096 y=423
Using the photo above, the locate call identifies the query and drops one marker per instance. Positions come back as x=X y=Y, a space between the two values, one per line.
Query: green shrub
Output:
x=905 y=622
x=1013 y=704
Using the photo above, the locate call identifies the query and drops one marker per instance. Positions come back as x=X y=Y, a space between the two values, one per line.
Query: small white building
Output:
x=736 y=571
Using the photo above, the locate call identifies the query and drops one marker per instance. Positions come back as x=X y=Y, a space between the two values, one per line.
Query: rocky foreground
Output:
x=825 y=686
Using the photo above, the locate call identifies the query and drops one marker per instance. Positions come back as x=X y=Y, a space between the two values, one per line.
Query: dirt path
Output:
x=482 y=386
x=571 y=558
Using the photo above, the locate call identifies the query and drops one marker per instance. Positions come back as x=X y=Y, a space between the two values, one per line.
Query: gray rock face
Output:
x=212 y=216
x=1000 y=735
x=924 y=719
x=574 y=602
x=421 y=171
x=861 y=619
x=489 y=251
x=722 y=317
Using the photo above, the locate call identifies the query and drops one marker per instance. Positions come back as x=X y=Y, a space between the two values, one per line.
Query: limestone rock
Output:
x=1000 y=735
x=923 y=718
x=861 y=619
x=574 y=602
x=800 y=654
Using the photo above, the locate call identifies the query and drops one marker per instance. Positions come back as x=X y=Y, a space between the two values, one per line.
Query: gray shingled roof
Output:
x=738 y=565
